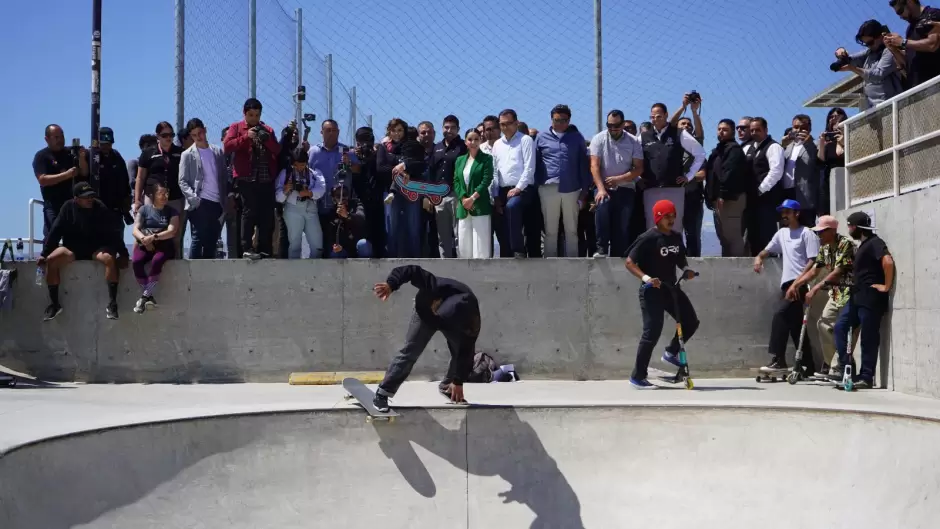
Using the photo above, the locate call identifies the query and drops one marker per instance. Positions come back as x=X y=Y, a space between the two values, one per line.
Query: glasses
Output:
x=742 y=127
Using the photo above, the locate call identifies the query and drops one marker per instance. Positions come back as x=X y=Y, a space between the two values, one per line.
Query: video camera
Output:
x=694 y=96
x=842 y=61
x=76 y=150
x=261 y=133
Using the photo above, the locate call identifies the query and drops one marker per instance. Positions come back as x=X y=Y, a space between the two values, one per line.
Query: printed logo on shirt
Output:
x=666 y=250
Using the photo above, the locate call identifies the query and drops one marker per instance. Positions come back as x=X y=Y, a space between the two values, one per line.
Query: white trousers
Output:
x=557 y=205
x=474 y=237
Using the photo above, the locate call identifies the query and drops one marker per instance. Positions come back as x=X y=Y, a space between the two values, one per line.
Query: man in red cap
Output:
x=654 y=258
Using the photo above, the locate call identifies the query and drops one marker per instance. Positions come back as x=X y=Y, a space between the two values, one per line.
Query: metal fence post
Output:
x=369 y=120
x=598 y=65
x=329 y=86
x=252 y=48
x=180 y=63
x=300 y=65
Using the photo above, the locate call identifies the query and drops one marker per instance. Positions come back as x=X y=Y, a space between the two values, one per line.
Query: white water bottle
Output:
x=20 y=254
x=40 y=274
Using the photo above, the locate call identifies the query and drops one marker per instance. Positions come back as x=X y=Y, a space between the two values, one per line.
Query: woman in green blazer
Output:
x=473 y=173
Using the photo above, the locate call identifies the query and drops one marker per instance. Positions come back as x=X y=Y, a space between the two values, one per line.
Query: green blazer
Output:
x=481 y=175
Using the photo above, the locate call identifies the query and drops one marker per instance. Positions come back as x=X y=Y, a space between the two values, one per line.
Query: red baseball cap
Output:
x=661 y=209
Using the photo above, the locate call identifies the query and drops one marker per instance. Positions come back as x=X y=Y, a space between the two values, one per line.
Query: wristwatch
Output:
x=904 y=44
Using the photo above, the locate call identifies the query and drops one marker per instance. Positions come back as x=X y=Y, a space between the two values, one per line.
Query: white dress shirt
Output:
x=514 y=159
x=691 y=146
x=775 y=160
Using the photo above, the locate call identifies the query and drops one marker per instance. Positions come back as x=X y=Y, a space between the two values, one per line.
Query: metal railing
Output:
x=894 y=147
x=31 y=239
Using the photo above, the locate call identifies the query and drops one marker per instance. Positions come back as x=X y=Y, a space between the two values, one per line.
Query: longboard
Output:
x=363 y=395
x=417 y=188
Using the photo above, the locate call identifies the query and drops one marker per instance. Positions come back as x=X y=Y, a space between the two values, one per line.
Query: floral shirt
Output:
x=840 y=254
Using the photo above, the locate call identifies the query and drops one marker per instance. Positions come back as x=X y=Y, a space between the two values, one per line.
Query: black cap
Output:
x=105 y=135
x=83 y=190
x=860 y=219
x=365 y=133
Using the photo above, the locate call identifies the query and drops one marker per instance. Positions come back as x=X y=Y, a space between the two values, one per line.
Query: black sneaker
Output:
x=111 y=311
x=51 y=312
x=141 y=305
x=444 y=390
x=381 y=403
x=150 y=302
x=775 y=365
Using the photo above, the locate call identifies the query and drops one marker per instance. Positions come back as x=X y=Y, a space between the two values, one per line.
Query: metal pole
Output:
x=598 y=65
x=180 y=63
x=352 y=115
x=329 y=86
x=369 y=120
x=300 y=64
x=95 y=90
x=252 y=48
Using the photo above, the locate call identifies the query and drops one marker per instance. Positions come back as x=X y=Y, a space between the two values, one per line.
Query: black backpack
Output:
x=483 y=367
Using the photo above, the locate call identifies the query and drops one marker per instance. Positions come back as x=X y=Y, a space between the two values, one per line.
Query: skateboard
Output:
x=414 y=189
x=771 y=376
x=9 y=378
x=363 y=395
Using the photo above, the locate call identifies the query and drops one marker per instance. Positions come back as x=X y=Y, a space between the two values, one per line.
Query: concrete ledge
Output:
x=329 y=378
x=233 y=321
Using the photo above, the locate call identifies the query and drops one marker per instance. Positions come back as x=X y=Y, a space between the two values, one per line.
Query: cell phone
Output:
x=310 y=117
x=830 y=135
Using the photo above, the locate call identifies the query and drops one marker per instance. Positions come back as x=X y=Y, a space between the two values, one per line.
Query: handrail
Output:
x=32 y=228
x=889 y=102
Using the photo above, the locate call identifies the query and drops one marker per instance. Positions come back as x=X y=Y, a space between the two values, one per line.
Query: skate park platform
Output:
x=543 y=454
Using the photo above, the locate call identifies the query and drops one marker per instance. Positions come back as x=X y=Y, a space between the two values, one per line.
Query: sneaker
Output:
x=51 y=312
x=670 y=358
x=641 y=384
x=774 y=365
x=251 y=256
x=519 y=255
x=150 y=302
x=600 y=254
x=389 y=198
x=111 y=311
x=141 y=305
x=863 y=384
x=381 y=403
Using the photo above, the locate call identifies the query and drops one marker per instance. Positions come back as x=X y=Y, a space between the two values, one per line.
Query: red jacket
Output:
x=237 y=141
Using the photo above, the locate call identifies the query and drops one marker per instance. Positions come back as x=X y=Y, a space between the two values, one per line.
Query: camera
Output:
x=694 y=96
x=830 y=136
x=76 y=150
x=840 y=62
x=309 y=117
x=261 y=133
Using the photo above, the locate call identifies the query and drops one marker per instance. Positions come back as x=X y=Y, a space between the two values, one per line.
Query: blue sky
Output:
x=416 y=59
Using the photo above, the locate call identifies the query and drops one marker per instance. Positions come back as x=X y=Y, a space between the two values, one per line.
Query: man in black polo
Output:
x=57 y=170
x=873 y=275
x=442 y=170
x=664 y=147
x=766 y=188
x=921 y=45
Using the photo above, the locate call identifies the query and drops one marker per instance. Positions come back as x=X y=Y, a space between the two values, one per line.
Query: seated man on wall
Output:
x=348 y=226
x=85 y=228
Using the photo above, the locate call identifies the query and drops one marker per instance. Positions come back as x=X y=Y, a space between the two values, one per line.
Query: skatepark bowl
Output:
x=484 y=467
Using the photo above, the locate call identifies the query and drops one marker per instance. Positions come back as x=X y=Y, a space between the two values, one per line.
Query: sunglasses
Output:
x=615 y=125
x=742 y=127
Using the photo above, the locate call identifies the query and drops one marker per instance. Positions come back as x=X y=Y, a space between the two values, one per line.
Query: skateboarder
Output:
x=799 y=247
x=443 y=305
x=654 y=258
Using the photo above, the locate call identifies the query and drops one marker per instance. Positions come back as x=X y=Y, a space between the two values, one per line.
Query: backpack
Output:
x=483 y=367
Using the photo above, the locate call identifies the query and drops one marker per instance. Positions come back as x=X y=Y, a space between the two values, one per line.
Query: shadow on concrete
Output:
x=489 y=442
x=74 y=480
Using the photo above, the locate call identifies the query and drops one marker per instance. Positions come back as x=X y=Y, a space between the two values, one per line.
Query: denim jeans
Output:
x=419 y=334
x=851 y=317
x=363 y=251
x=205 y=229
x=404 y=228
x=509 y=224
x=302 y=220
x=612 y=220
x=653 y=303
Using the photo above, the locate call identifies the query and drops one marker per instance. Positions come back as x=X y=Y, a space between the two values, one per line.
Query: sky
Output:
x=415 y=59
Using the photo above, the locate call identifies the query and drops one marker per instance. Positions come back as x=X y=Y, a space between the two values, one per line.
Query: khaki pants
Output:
x=826 y=327
x=729 y=225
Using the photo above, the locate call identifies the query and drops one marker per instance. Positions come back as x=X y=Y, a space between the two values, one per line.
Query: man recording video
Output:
x=876 y=65
x=57 y=169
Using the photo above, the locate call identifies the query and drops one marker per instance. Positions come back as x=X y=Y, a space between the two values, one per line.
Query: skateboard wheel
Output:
x=792 y=378
x=758 y=379
x=689 y=384
x=391 y=419
x=347 y=397
x=369 y=419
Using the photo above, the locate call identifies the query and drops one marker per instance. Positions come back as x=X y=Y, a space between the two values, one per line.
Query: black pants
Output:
x=787 y=323
x=282 y=241
x=533 y=226
x=762 y=223
x=461 y=345
x=257 y=212
x=653 y=303
x=375 y=227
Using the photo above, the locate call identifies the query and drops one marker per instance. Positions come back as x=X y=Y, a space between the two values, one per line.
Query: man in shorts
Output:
x=84 y=226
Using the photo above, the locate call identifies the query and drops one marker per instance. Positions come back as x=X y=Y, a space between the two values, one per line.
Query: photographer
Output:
x=371 y=189
x=920 y=46
x=56 y=169
x=694 y=190
x=329 y=157
x=348 y=225
x=875 y=64
x=831 y=154
x=298 y=188
x=254 y=168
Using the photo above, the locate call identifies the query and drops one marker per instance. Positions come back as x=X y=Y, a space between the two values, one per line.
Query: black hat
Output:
x=105 y=135
x=365 y=133
x=83 y=190
x=860 y=219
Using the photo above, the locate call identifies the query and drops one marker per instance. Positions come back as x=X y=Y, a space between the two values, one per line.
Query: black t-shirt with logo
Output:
x=659 y=254
x=922 y=66
x=867 y=271
x=48 y=162
x=165 y=167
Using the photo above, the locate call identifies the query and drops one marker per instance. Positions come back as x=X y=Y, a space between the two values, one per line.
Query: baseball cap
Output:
x=860 y=219
x=826 y=222
x=661 y=209
x=105 y=135
x=83 y=190
x=789 y=204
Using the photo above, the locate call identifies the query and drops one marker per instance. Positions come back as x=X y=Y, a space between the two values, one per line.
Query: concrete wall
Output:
x=910 y=355
x=240 y=321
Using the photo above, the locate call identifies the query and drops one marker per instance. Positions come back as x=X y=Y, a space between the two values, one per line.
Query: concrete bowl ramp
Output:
x=662 y=467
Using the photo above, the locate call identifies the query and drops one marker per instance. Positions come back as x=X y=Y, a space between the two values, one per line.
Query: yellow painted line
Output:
x=327 y=378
